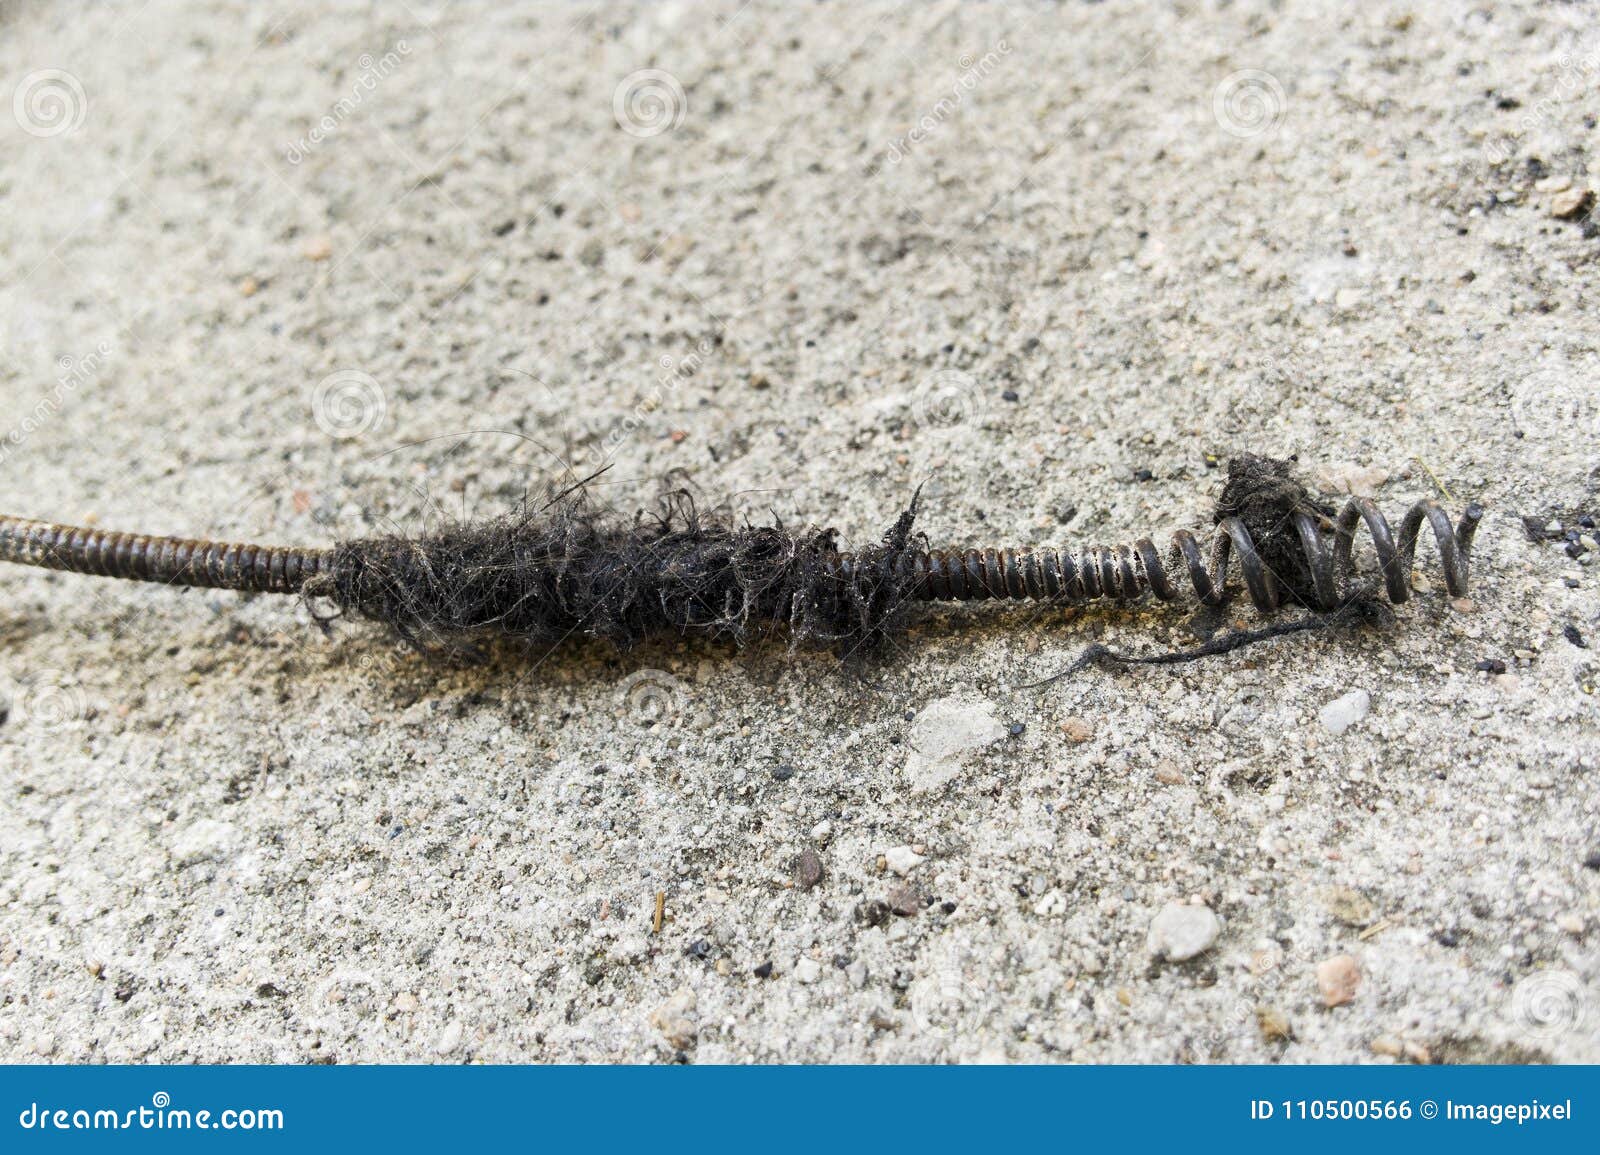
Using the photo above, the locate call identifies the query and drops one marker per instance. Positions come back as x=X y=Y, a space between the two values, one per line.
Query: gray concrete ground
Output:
x=266 y=265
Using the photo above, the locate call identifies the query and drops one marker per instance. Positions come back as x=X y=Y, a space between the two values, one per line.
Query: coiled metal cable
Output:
x=1126 y=572
x=1121 y=572
x=179 y=561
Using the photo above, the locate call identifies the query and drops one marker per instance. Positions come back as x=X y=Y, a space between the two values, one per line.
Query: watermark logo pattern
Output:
x=348 y=404
x=1248 y=103
x=946 y=397
x=1558 y=402
x=1548 y=1004
x=48 y=702
x=651 y=699
x=649 y=102
x=50 y=102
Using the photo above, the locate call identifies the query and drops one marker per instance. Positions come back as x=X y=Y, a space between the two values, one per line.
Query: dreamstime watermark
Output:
x=1248 y=103
x=671 y=375
x=373 y=72
x=652 y=700
x=946 y=397
x=160 y=1115
x=1558 y=402
x=1288 y=365
x=384 y=664
x=940 y=997
x=75 y=373
x=1548 y=1004
x=973 y=72
x=1259 y=989
x=348 y=403
x=1574 y=74
x=649 y=102
x=50 y=102
x=343 y=999
x=47 y=702
x=579 y=424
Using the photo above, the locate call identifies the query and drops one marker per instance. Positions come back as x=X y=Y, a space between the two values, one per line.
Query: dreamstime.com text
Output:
x=160 y=1115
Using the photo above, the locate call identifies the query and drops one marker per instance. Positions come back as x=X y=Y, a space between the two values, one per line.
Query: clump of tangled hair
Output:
x=549 y=572
x=1265 y=494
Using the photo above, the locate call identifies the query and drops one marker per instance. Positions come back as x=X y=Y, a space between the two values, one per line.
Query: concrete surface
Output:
x=266 y=265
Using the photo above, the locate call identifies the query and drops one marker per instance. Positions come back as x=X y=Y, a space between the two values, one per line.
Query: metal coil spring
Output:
x=170 y=560
x=1121 y=572
x=1125 y=572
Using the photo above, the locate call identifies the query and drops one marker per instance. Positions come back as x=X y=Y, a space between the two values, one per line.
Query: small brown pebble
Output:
x=1274 y=1025
x=1168 y=774
x=905 y=899
x=675 y=1020
x=1077 y=730
x=318 y=249
x=1419 y=1054
x=1337 y=979
x=807 y=870
x=1572 y=204
x=1387 y=1045
x=249 y=287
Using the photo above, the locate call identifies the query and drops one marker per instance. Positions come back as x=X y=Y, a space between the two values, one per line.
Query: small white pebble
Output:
x=449 y=1038
x=1342 y=713
x=1180 y=932
x=903 y=860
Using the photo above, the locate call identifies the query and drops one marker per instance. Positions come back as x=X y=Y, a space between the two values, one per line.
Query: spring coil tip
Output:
x=1307 y=556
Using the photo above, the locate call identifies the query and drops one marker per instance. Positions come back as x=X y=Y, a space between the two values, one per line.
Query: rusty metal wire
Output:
x=178 y=561
x=1126 y=572
x=1119 y=572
